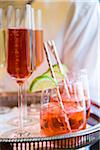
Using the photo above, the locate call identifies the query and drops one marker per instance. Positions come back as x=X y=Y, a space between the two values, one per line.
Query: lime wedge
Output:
x=56 y=68
x=42 y=83
x=58 y=74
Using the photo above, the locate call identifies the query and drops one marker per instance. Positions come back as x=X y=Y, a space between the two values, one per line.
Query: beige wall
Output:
x=5 y=3
x=54 y=16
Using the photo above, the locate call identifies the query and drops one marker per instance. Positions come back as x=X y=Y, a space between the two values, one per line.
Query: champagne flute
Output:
x=2 y=43
x=3 y=109
x=19 y=55
x=2 y=46
x=37 y=30
x=37 y=42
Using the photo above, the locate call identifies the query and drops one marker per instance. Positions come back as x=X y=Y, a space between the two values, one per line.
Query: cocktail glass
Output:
x=37 y=30
x=3 y=109
x=19 y=58
x=54 y=120
x=82 y=76
x=37 y=43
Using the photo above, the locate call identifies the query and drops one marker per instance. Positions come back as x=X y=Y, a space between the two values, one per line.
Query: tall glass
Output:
x=2 y=47
x=2 y=41
x=37 y=42
x=19 y=53
x=37 y=30
x=2 y=61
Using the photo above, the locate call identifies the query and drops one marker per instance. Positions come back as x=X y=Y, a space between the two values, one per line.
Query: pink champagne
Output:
x=18 y=55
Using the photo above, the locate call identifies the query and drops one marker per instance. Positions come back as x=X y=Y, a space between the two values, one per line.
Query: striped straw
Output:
x=52 y=46
x=54 y=77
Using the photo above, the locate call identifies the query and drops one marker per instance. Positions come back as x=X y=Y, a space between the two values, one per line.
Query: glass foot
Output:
x=4 y=109
x=17 y=134
x=26 y=122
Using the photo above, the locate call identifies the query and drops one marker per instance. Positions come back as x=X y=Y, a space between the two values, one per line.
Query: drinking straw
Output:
x=52 y=46
x=54 y=77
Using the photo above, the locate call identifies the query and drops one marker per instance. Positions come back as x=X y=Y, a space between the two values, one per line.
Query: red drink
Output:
x=72 y=93
x=38 y=46
x=53 y=121
x=75 y=114
x=18 y=57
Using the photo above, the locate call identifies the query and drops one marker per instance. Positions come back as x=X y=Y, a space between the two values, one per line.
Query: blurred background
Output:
x=74 y=26
x=57 y=17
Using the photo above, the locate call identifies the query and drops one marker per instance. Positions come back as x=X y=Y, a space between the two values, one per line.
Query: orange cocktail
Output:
x=52 y=120
x=55 y=121
x=72 y=93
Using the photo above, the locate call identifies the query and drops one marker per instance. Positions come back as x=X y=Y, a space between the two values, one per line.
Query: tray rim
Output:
x=87 y=131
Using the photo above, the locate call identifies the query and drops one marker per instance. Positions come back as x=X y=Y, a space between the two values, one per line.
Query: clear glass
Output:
x=54 y=120
x=84 y=78
x=2 y=49
x=37 y=42
x=37 y=34
x=3 y=109
x=19 y=55
x=81 y=75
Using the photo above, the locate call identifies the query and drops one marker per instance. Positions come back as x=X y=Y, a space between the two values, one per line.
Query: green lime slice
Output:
x=42 y=83
x=58 y=74
x=56 y=68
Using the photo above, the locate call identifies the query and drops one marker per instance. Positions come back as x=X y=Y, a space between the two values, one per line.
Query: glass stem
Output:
x=20 y=106
x=25 y=103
